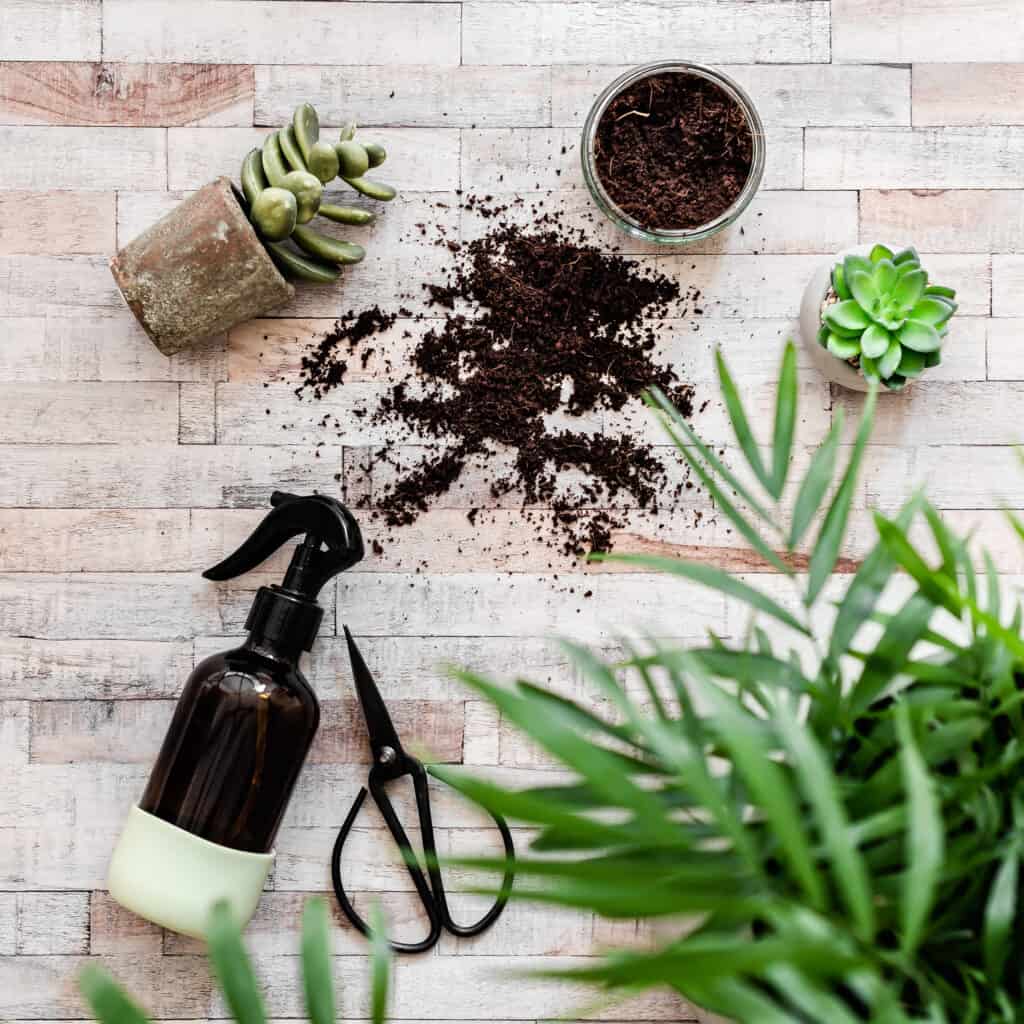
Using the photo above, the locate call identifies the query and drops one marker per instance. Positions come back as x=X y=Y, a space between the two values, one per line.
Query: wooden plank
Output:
x=164 y=476
x=942 y=414
x=99 y=345
x=1006 y=350
x=197 y=414
x=83 y=158
x=114 y=930
x=56 y=223
x=93 y=540
x=968 y=94
x=131 y=731
x=498 y=160
x=953 y=220
x=8 y=923
x=1008 y=285
x=467 y=604
x=977 y=157
x=14 y=732
x=422 y=94
x=634 y=32
x=141 y=95
x=92 y=669
x=38 y=986
x=196 y=155
x=53 y=923
x=972 y=477
x=792 y=95
x=56 y=286
x=782 y=222
x=325 y=33
x=50 y=30
x=88 y=413
x=926 y=30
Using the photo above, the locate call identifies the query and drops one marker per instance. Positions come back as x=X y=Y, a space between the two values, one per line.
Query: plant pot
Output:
x=629 y=223
x=831 y=367
x=198 y=271
x=707 y=1017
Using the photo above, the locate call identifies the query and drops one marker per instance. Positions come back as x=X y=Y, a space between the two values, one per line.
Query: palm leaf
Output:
x=815 y=483
x=785 y=422
x=109 y=1002
x=231 y=967
x=317 y=980
x=740 y=426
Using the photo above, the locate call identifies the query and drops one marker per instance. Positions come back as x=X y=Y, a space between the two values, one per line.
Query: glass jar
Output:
x=673 y=236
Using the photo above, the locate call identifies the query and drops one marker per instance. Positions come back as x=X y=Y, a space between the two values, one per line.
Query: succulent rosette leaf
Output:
x=283 y=184
x=888 y=320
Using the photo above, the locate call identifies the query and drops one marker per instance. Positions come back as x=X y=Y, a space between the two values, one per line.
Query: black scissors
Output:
x=391 y=762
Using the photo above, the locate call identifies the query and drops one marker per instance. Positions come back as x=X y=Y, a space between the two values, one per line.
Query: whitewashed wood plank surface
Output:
x=123 y=473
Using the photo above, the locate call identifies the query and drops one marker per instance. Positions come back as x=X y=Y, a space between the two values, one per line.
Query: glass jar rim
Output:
x=628 y=223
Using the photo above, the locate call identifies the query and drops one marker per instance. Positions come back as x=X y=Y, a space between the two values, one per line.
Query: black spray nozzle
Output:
x=332 y=543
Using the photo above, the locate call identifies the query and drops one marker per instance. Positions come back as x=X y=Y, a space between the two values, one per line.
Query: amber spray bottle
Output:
x=204 y=829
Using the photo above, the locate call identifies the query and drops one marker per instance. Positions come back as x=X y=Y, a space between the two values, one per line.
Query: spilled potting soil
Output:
x=538 y=333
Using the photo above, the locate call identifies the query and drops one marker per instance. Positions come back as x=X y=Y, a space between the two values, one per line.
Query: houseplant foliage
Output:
x=837 y=814
x=887 y=319
x=232 y=969
x=283 y=186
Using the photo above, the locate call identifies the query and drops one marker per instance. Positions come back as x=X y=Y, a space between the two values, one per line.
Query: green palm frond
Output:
x=839 y=817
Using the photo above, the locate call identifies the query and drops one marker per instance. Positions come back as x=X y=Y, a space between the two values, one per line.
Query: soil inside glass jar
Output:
x=673 y=151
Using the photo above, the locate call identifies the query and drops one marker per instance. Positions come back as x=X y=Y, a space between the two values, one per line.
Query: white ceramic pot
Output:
x=831 y=367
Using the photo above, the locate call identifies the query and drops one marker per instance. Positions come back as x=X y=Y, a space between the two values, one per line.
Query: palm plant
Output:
x=233 y=972
x=837 y=816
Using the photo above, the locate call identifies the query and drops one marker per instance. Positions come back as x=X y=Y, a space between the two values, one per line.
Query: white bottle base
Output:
x=173 y=878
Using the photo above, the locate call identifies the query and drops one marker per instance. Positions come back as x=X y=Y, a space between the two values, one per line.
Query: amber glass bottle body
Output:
x=235 y=747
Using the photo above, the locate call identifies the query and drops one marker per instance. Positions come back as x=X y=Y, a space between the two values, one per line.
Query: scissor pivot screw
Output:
x=387 y=755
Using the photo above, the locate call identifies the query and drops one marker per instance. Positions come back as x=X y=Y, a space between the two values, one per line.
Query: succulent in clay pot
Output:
x=223 y=256
x=873 y=315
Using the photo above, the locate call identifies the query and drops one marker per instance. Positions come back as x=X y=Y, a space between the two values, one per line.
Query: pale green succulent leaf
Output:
x=911 y=362
x=910 y=289
x=906 y=255
x=880 y=252
x=854 y=262
x=941 y=291
x=839 y=285
x=875 y=341
x=907 y=268
x=847 y=316
x=842 y=348
x=890 y=360
x=931 y=311
x=895 y=382
x=932 y=358
x=864 y=290
x=920 y=337
x=885 y=276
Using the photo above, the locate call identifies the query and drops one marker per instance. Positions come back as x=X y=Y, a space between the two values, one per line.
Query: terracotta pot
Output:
x=198 y=271
x=831 y=367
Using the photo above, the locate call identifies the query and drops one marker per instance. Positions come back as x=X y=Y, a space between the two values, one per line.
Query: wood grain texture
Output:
x=123 y=474
x=144 y=95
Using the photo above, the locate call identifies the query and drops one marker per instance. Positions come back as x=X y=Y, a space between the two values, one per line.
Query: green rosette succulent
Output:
x=888 y=320
x=283 y=184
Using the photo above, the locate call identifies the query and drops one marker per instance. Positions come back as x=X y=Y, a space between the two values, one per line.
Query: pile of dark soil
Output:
x=534 y=322
x=673 y=151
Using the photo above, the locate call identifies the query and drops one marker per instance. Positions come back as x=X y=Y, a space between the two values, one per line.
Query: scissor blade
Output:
x=378 y=722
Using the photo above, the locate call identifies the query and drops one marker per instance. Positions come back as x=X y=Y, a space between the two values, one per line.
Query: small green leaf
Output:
x=910 y=289
x=865 y=291
x=875 y=341
x=895 y=382
x=815 y=483
x=941 y=291
x=880 y=252
x=833 y=529
x=847 y=316
x=854 y=262
x=380 y=965
x=869 y=368
x=890 y=360
x=740 y=425
x=842 y=348
x=109 y=1003
x=317 y=980
x=932 y=359
x=925 y=839
x=919 y=337
x=230 y=964
x=911 y=362
x=1001 y=913
x=839 y=285
x=931 y=311
x=885 y=276
x=785 y=422
x=908 y=268
x=904 y=255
